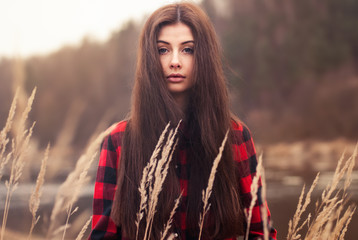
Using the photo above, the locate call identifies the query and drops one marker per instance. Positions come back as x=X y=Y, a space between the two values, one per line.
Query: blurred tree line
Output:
x=291 y=66
x=295 y=65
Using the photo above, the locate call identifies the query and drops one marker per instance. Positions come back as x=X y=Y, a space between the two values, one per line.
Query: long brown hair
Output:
x=206 y=121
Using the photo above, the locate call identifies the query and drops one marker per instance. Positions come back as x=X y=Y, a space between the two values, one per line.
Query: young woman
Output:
x=179 y=76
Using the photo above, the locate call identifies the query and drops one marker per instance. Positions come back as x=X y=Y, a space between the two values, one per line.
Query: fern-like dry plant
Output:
x=331 y=216
x=4 y=139
x=160 y=175
x=18 y=150
x=69 y=190
x=153 y=177
x=147 y=179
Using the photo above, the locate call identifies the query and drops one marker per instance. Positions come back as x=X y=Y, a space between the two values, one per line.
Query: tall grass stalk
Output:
x=70 y=189
x=167 y=226
x=69 y=212
x=84 y=228
x=147 y=179
x=34 y=202
x=293 y=225
x=19 y=147
x=207 y=193
x=263 y=208
x=160 y=174
x=4 y=140
x=330 y=218
x=331 y=204
x=254 y=190
x=21 y=127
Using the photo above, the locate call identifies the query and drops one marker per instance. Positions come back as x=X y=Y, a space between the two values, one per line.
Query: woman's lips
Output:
x=175 y=78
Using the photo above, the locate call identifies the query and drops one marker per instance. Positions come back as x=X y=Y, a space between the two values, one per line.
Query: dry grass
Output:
x=69 y=190
x=254 y=190
x=147 y=179
x=258 y=178
x=331 y=216
x=17 y=153
x=167 y=226
x=330 y=219
x=159 y=168
x=83 y=230
x=4 y=139
x=207 y=193
x=293 y=225
x=263 y=208
x=34 y=202
x=153 y=177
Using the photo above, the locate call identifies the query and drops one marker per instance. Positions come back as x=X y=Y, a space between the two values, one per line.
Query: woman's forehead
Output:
x=177 y=31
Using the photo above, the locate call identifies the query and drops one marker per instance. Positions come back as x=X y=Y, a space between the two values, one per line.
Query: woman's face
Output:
x=176 y=49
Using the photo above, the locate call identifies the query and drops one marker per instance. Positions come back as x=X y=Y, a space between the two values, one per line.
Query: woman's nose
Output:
x=175 y=62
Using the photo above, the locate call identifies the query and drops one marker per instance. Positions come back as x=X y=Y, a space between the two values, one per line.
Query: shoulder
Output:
x=115 y=136
x=120 y=127
x=244 y=152
x=240 y=130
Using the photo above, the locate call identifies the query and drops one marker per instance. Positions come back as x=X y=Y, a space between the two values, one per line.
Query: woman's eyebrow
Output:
x=161 y=41
x=189 y=41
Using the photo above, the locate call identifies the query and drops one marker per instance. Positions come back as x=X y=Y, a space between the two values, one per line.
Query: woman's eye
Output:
x=188 y=50
x=162 y=51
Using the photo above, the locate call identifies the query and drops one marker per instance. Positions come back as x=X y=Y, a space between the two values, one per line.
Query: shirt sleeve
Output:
x=103 y=226
x=245 y=158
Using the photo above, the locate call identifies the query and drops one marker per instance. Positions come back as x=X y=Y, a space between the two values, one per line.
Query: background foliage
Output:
x=291 y=66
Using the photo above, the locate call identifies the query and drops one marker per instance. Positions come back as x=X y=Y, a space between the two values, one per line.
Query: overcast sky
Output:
x=29 y=27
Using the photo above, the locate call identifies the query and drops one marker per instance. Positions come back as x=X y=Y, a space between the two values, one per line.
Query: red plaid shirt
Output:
x=244 y=152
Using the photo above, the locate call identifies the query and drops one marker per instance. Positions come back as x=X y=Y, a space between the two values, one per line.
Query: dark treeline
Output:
x=291 y=67
x=297 y=65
